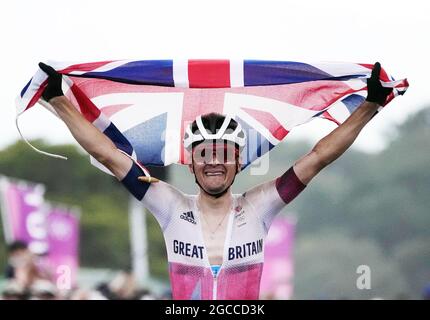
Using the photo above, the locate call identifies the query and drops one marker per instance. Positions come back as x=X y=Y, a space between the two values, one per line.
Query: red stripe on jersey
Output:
x=289 y=186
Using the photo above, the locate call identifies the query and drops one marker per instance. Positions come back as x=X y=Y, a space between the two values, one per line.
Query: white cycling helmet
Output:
x=214 y=126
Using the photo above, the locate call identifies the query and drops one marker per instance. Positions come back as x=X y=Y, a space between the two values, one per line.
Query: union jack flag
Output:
x=144 y=106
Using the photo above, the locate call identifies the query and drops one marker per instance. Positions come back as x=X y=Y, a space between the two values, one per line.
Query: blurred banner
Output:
x=51 y=232
x=24 y=217
x=63 y=239
x=278 y=271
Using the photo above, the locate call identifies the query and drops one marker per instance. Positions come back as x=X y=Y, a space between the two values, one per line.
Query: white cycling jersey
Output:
x=190 y=272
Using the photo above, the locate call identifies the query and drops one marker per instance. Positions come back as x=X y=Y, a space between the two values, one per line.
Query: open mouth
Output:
x=213 y=172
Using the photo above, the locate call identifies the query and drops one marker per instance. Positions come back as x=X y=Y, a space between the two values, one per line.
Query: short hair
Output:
x=16 y=245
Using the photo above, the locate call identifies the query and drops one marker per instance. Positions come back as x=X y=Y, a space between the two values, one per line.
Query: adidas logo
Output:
x=188 y=216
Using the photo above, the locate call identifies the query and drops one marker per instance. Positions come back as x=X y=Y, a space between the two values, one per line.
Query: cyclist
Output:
x=215 y=239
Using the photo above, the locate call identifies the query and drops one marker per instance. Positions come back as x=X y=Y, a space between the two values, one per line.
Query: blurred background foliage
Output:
x=371 y=209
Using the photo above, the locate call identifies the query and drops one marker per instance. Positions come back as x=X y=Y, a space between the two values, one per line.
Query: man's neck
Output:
x=214 y=206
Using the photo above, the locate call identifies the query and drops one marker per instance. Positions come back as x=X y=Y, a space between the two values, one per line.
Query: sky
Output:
x=392 y=32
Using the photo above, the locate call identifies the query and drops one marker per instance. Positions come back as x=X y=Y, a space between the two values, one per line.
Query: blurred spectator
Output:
x=426 y=293
x=402 y=296
x=26 y=279
x=42 y=289
x=122 y=287
x=17 y=252
x=144 y=294
x=85 y=294
x=166 y=295
x=14 y=291
x=26 y=283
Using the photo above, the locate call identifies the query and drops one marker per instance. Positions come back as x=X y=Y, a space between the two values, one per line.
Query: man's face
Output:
x=20 y=258
x=215 y=165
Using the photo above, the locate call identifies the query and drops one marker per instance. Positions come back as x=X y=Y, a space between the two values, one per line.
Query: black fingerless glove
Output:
x=53 y=89
x=375 y=91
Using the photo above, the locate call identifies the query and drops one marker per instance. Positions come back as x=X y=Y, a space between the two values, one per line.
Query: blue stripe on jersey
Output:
x=260 y=73
x=134 y=186
x=152 y=72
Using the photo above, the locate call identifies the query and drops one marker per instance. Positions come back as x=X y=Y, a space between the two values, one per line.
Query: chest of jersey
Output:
x=242 y=237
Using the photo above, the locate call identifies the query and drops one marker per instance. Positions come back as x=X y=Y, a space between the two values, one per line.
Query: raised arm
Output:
x=86 y=134
x=152 y=195
x=340 y=139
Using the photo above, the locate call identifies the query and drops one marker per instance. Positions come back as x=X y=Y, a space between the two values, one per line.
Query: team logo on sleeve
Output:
x=188 y=216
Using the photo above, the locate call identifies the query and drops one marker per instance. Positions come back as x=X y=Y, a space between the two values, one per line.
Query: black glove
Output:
x=375 y=91
x=53 y=89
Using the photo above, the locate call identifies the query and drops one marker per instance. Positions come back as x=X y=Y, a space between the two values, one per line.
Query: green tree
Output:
x=326 y=268
x=103 y=202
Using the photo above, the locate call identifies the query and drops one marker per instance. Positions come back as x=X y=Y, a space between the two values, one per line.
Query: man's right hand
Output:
x=86 y=134
x=53 y=89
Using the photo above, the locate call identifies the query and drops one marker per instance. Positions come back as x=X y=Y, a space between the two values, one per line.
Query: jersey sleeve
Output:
x=160 y=198
x=269 y=198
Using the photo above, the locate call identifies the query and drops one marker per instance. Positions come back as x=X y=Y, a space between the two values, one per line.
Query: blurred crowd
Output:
x=27 y=280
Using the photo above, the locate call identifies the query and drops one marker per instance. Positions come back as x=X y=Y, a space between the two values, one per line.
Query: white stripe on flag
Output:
x=169 y=103
x=102 y=122
x=356 y=84
x=37 y=80
x=107 y=67
x=393 y=84
x=97 y=164
x=141 y=106
x=236 y=73
x=339 y=111
x=339 y=69
x=180 y=73
x=287 y=114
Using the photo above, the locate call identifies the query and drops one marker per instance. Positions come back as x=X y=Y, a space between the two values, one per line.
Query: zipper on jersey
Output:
x=215 y=288
x=226 y=242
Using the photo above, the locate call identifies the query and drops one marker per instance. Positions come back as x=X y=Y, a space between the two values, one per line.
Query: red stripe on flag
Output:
x=382 y=75
x=328 y=116
x=404 y=84
x=37 y=95
x=209 y=73
x=268 y=121
x=109 y=111
x=84 y=66
x=88 y=108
